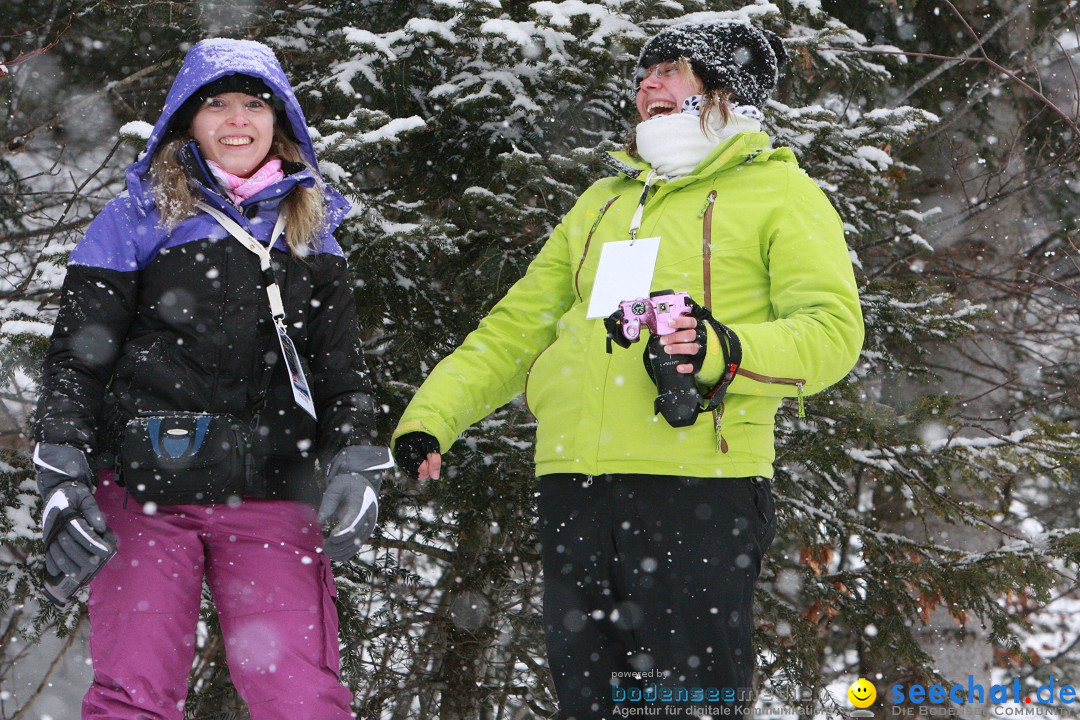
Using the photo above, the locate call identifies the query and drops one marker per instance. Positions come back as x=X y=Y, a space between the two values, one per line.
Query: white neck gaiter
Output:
x=675 y=144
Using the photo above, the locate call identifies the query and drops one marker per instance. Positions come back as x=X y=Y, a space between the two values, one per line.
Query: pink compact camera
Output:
x=677 y=396
x=655 y=311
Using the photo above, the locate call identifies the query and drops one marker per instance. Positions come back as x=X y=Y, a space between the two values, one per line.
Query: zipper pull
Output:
x=710 y=201
x=717 y=414
x=802 y=406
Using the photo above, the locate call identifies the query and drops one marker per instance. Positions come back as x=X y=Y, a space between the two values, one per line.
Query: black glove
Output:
x=654 y=353
x=77 y=541
x=412 y=449
x=678 y=398
x=351 y=498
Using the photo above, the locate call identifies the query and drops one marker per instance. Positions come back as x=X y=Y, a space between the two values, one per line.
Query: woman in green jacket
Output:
x=653 y=535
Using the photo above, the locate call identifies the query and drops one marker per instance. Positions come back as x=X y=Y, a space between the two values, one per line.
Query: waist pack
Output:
x=184 y=458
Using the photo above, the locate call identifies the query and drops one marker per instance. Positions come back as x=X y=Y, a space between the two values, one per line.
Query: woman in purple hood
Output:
x=205 y=406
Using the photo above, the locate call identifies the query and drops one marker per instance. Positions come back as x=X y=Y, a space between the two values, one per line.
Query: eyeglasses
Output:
x=662 y=71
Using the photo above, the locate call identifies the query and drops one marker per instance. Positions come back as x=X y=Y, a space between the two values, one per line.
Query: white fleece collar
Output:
x=675 y=144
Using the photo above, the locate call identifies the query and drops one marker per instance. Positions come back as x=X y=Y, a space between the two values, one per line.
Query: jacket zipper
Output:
x=225 y=246
x=706 y=246
x=797 y=382
x=585 y=252
x=706 y=273
x=221 y=317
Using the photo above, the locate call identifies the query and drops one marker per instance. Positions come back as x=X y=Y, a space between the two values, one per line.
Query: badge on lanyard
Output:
x=297 y=380
x=300 y=389
x=625 y=272
x=626 y=268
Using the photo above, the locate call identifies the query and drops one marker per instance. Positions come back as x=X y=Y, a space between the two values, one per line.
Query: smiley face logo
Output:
x=862 y=693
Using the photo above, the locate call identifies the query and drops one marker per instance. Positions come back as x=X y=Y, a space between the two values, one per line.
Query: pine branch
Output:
x=419 y=549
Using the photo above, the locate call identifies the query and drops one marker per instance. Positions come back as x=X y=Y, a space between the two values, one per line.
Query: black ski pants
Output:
x=648 y=590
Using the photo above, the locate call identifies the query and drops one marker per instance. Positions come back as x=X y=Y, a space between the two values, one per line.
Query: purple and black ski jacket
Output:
x=152 y=320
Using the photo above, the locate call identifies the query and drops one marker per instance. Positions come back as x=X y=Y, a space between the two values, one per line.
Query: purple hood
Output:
x=207 y=61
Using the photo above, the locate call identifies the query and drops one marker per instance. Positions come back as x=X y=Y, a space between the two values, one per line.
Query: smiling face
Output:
x=862 y=693
x=234 y=130
x=663 y=89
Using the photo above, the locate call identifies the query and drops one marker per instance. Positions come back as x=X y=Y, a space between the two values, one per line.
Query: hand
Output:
x=77 y=541
x=351 y=498
x=353 y=502
x=430 y=468
x=688 y=340
x=76 y=538
x=418 y=455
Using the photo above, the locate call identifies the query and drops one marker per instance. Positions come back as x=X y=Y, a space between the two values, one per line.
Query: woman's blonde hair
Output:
x=713 y=100
x=176 y=194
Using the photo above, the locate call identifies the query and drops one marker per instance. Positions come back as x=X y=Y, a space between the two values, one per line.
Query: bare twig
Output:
x=985 y=59
x=945 y=66
x=23 y=57
x=22 y=286
x=19 y=144
x=1009 y=73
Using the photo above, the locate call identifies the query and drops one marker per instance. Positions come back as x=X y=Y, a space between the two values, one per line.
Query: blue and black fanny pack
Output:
x=184 y=458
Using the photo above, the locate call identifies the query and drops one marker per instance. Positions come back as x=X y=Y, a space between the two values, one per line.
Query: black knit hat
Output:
x=725 y=55
x=247 y=84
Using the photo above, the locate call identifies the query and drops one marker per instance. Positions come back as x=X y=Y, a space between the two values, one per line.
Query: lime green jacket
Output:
x=747 y=234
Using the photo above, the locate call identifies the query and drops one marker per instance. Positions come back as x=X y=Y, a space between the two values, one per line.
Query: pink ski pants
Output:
x=274 y=593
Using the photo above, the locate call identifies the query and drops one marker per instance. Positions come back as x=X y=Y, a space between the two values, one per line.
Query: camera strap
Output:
x=731 y=348
x=732 y=357
x=300 y=387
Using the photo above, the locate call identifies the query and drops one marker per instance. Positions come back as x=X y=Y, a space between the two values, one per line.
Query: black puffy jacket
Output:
x=153 y=320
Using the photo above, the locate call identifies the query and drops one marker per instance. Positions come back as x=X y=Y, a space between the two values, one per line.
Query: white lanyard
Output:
x=301 y=388
x=635 y=223
x=277 y=308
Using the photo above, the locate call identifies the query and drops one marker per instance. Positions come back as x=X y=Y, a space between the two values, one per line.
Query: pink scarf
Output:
x=240 y=189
